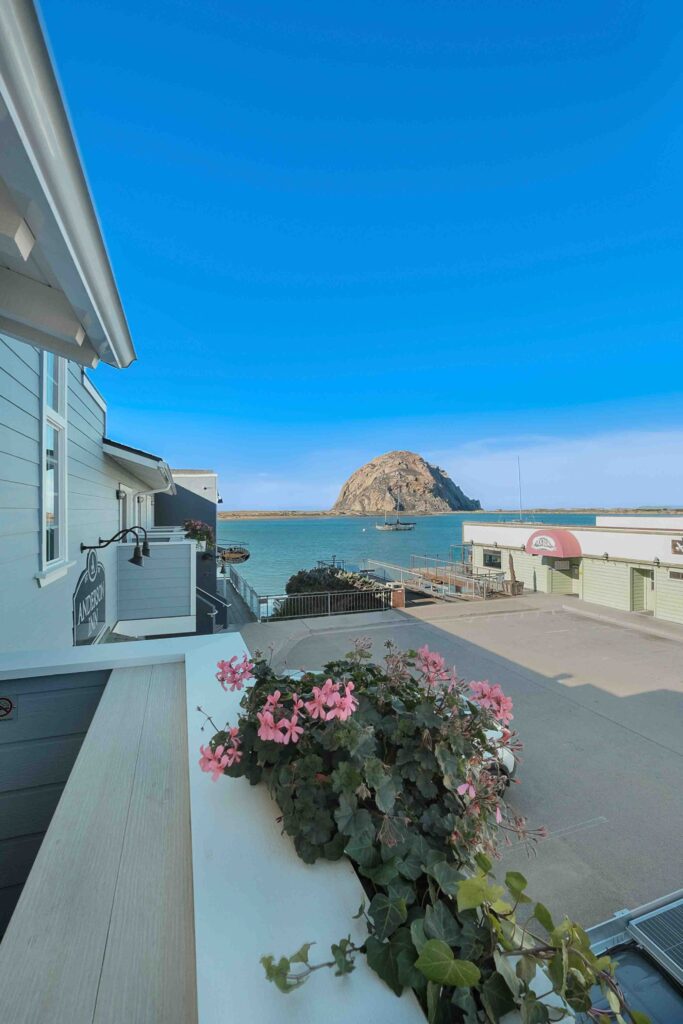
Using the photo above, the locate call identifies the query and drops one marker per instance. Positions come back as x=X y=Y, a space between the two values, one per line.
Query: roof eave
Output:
x=31 y=93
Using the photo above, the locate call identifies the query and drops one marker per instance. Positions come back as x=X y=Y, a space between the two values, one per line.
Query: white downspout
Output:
x=168 y=489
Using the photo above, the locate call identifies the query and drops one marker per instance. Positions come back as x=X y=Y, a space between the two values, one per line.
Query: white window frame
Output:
x=57 y=419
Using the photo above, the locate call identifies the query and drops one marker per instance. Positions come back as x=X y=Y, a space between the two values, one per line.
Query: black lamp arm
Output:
x=117 y=536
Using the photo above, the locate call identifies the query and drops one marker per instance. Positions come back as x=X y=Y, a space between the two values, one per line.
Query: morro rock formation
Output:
x=404 y=477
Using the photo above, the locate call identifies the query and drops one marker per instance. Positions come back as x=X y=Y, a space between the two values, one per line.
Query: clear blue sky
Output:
x=342 y=228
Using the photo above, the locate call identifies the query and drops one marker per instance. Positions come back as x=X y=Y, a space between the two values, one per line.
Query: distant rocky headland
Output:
x=401 y=481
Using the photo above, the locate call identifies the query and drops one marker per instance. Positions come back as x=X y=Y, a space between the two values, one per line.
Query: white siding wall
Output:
x=33 y=616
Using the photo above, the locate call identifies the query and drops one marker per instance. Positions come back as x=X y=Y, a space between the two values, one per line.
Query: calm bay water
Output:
x=280 y=547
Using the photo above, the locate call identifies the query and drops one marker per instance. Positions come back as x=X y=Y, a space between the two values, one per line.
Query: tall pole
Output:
x=519 y=483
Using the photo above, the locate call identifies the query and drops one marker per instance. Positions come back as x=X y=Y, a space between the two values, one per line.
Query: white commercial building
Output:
x=631 y=563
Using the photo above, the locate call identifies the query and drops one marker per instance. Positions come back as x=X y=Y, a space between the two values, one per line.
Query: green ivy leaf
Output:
x=386 y=914
x=483 y=862
x=472 y=892
x=401 y=889
x=361 y=848
x=516 y=884
x=301 y=955
x=406 y=955
x=382 y=874
x=418 y=934
x=542 y=915
x=343 y=957
x=439 y=923
x=344 y=813
x=382 y=958
x=385 y=795
x=434 y=1003
x=447 y=876
x=449 y=764
x=278 y=973
x=335 y=848
x=410 y=865
x=437 y=963
x=464 y=1000
x=533 y=1012
x=496 y=997
x=526 y=969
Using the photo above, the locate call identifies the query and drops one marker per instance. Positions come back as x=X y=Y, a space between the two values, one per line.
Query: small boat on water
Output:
x=394 y=525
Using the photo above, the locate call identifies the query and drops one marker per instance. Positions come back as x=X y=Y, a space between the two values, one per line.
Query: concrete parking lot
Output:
x=600 y=710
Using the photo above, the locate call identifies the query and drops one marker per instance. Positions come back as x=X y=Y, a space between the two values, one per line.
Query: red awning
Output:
x=554 y=543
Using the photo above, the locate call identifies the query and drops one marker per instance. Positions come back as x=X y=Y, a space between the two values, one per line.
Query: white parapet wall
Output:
x=254 y=896
x=641 y=522
x=634 y=545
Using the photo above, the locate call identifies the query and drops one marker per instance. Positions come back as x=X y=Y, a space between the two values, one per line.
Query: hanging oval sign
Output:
x=89 y=604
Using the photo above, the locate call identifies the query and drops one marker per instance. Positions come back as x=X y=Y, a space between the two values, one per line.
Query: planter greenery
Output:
x=197 y=530
x=396 y=767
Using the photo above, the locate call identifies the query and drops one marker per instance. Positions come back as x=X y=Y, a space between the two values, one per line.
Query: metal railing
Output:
x=266 y=607
x=219 y=607
x=250 y=597
x=452 y=567
x=335 y=602
x=443 y=581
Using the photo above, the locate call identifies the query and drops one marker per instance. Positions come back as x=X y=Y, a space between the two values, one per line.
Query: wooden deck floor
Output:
x=103 y=932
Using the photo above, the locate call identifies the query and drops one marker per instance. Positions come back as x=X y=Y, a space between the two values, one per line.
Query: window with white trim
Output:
x=54 y=539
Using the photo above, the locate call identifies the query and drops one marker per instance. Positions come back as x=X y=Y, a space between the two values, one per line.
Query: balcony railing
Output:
x=160 y=593
x=269 y=607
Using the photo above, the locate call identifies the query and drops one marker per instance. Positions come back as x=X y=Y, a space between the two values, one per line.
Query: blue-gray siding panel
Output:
x=38 y=748
x=41 y=617
x=160 y=588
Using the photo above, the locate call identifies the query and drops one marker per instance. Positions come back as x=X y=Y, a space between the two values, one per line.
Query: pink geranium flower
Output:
x=432 y=666
x=233 y=673
x=273 y=700
x=297 y=704
x=467 y=789
x=234 y=756
x=290 y=730
x=490 y=696
x=345 y=706
x=317 y=704
x=267 y=729
x=213 y=761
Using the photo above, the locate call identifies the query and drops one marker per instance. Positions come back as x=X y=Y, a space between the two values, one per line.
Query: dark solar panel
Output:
x=662 y=934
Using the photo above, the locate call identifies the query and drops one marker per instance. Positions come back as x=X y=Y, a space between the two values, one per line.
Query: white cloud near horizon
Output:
x=609 y=469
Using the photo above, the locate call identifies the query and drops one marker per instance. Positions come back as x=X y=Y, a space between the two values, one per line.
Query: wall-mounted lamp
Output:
x=137 y=553
x=522 y=547
x=605 y=556
x=657 y=562
x=120 y=495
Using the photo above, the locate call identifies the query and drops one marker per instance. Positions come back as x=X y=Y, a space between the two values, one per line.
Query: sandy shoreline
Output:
x=292 y=514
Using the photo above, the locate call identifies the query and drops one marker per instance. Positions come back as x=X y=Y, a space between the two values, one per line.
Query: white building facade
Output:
x=618 y=564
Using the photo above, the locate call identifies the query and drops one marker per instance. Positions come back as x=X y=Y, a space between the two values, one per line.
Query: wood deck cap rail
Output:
x=104 y=931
